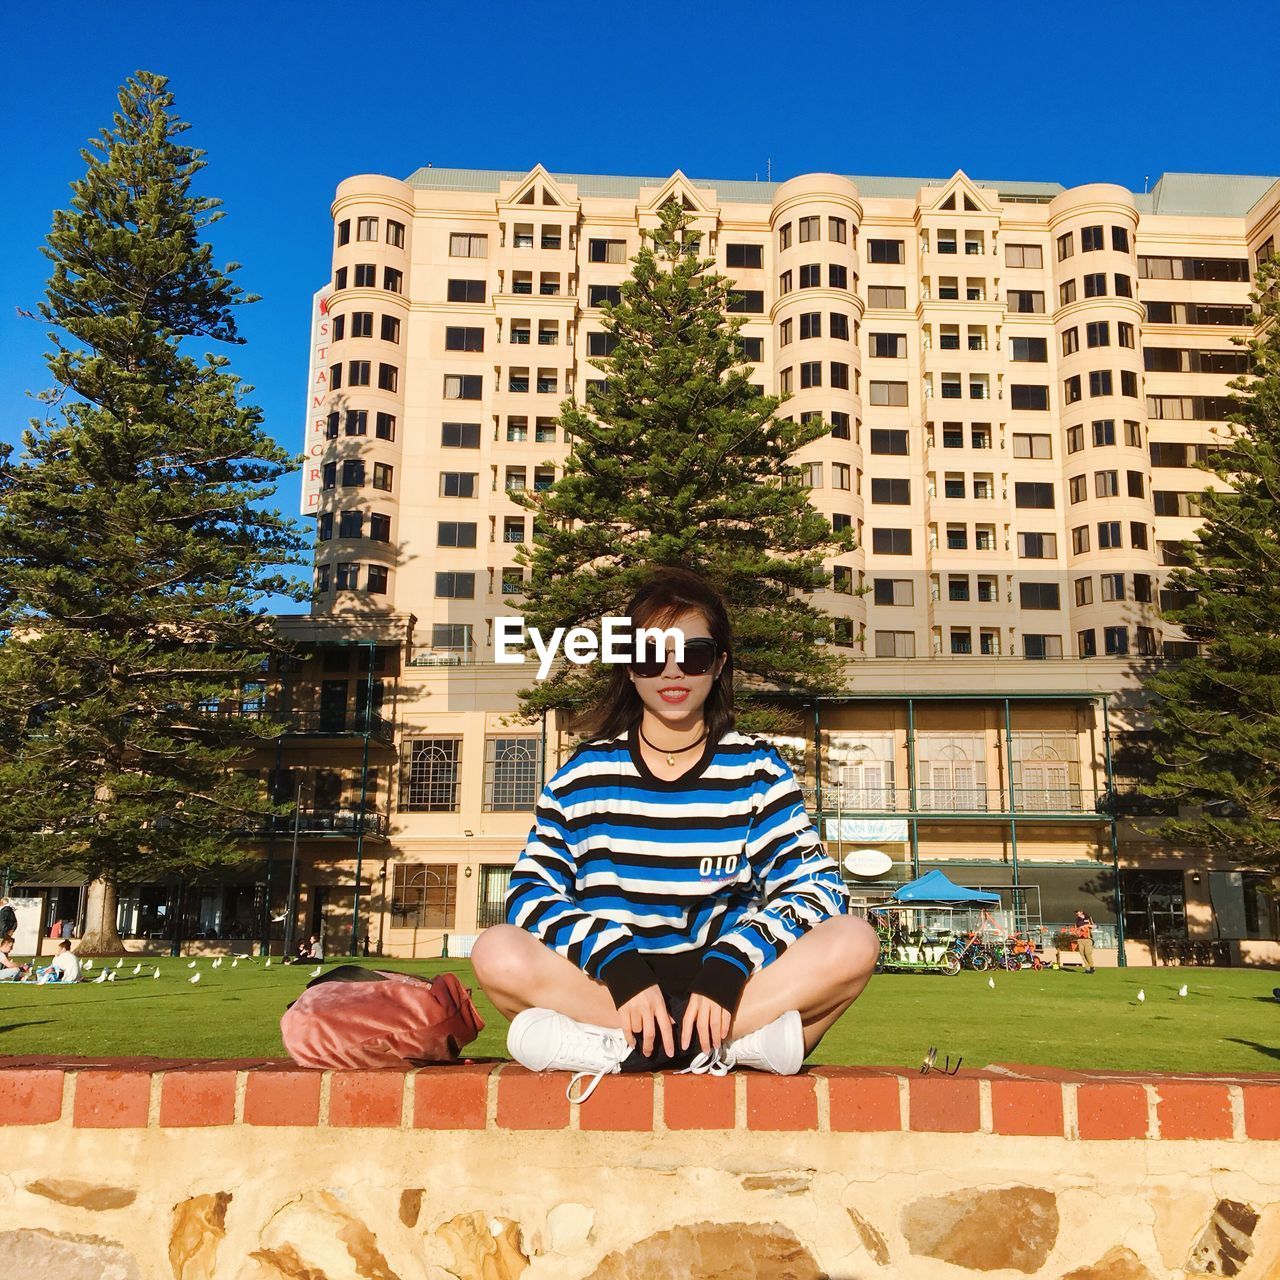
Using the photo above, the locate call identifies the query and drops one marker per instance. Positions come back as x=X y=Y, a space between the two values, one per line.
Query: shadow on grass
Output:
x=1267 y=1050
x=17 y=1026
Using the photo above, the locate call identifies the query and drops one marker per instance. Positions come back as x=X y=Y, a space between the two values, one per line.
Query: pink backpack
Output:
x=372 y=1018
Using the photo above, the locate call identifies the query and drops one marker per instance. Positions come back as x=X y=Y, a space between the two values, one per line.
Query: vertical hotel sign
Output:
x=317 y=400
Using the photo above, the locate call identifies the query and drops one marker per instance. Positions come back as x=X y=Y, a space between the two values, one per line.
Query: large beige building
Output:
x=1019 y=379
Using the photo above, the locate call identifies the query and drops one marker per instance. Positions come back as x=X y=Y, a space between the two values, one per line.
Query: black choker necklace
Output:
x=675 y=751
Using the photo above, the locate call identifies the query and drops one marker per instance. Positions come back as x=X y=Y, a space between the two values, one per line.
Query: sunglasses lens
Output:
x=699 y=655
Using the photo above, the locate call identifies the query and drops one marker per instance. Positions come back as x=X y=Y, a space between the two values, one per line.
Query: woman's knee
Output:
x=853 y=948
x=496 y=954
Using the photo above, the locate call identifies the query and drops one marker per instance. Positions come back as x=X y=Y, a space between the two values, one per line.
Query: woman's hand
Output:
x=645 y=1013
x=709 y=1019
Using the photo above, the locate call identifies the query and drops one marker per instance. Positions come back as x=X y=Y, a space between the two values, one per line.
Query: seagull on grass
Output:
x=1142 y=996
x=195 y=977
x=111 y=975
x=1182 y=990
x=156 y=974
x=192 y=965
x=137 y=969
x=991 y=982
x=120 y=963
x=102 y=977
x=88 y=964
x=268 y=964
x=317 y=971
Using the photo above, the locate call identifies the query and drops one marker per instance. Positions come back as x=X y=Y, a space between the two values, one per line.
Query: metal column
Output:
x=1013 y=821
x=364 y=795
x=1121 y=961
x=911 y=789
x=817 y=761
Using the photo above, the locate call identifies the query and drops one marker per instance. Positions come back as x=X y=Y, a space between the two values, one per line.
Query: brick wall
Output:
x=850 y=1170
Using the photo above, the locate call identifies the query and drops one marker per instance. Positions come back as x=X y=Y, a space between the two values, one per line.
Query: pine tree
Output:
x=1217 y=715
x=678 y=460
x=137 y=555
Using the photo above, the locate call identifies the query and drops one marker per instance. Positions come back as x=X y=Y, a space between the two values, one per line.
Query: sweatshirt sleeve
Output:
x=798 y=882
x=540 y=899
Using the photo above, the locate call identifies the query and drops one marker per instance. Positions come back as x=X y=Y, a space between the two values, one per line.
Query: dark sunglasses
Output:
x=699 y=657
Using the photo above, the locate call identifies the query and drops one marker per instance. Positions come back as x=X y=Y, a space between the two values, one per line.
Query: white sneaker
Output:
x=544 y=1040
x=776 y=1047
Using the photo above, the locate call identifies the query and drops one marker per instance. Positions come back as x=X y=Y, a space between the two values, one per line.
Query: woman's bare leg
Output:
x=820 y=975
x=518 y=972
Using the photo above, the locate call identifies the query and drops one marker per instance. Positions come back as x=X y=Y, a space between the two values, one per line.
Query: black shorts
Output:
x=676 y=973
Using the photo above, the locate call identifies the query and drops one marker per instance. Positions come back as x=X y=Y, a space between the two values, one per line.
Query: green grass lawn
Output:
x=1228 y=1021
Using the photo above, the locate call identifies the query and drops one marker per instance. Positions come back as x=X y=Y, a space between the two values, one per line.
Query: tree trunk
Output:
x=100 y=937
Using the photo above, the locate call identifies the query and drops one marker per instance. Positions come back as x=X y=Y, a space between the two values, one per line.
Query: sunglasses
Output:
x=699 y=657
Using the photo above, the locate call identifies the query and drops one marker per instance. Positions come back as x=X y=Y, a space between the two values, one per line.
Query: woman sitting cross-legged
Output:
x=674 y=906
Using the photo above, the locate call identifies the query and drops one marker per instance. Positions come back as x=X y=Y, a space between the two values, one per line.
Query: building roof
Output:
x=1212 y=194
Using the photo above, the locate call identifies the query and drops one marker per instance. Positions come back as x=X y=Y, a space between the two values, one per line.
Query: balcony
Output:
x=341 y=822
x=336 y=723
x=954 y=801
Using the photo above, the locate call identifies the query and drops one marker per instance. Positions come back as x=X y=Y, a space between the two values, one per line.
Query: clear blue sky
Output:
x=289 y=99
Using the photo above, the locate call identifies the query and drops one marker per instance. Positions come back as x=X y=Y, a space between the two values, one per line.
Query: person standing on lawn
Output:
x=1084 y=933
x=674 y=904
x=8 y=919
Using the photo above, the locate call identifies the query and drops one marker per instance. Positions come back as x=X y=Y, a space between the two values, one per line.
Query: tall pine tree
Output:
x=137 y=555
x=677 y=460
x=1217 y=715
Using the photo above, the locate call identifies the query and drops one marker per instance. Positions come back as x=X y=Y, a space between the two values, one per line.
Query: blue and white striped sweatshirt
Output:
x=621 y=865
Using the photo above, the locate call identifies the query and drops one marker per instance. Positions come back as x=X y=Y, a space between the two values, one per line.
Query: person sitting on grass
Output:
x=10 y=970
x=674 y=906
x=65 y=966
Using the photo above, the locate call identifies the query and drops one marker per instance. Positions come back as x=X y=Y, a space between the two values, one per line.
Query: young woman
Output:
x=673 y=898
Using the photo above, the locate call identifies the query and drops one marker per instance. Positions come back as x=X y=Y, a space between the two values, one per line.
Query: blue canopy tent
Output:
x=934 y=887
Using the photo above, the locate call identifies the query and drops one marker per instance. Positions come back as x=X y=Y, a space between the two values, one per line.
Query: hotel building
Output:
x=1020 y=379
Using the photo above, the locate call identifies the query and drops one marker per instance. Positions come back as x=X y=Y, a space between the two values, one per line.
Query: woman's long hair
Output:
x=668 y=593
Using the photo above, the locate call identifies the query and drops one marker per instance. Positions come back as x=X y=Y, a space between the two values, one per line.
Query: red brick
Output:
x=781 y=1102
x=112 y=1099
x=944 y=1104
x=1111 y=1111
x=1030 y=1108
x=532 y=1100
x=1262 y=1111
x=451 y=1097
x=864 y=1103
x=282 y=1097
x=1193 y=1110
x=366 y=1099
x=698 y=1102
x=30 y=1097
x=620 y=1102
x=197 y=1098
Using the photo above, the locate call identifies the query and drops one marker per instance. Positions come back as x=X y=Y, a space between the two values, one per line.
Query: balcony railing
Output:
x=342 y=821
x=957 y=800
x=308 y=723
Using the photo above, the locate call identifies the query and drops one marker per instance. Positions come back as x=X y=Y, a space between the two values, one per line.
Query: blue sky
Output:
x=288 y=99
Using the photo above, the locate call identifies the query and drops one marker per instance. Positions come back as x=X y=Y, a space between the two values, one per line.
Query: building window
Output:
x=745 y=301
x=1090 y=239
x=379 y=527
x=455 y=533
x=460 y=435
x=1070 y=341
x=894 y=592
x=1035 y=494
x=455 y=586
x=1116 y=641
x=385 y=426
x=610 y=251
x=836 y=230
x=1032 y=446
x=1028 y=397
x=433 y=777
x=1066 y=293
x=1106 y=484
x=366 y=228
x=357 y=422
x=392 y=279
x=1066 y=246
x=1075 y=439
x=353 y=473
x=888 y=393
x=1071 y=389
x=891 y=542
x=886 y=297
x=890 y=442
x=1100 y=382
x=1076 y=489
x=348 y=577
x=351 y=524
x=746 y=256
x=1109 y=536
x=458 y=386
x=1084 y=586
x=1080 y=545
x=811 y=276
x=1138 y=534
x=1086 y=643
x=1023 y=255
x=511 y=769
x=810 y=325
x=376 y=577
x=1038 y=546
x=322 y=579
x=893 y=492
x=339 y=279
x=329 y=475
x=324 y=527
x=1038 y=595
x=1028 y=350
x=895 y=644
x=366 y=275
x=1025 y=301
x=382 y=474
x=388 y=377
x=1104 y=432
x=457 y=338
x=885 y=251
x=1098 y=333
x=840 y=376
x=466 y=291
x=344 y=231
x=837 y=276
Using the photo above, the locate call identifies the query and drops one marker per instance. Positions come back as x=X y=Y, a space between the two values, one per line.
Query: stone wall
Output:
x=150 y=1170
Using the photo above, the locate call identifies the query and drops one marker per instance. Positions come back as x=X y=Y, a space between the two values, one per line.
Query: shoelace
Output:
x=714 y=1062
x=592 y=1043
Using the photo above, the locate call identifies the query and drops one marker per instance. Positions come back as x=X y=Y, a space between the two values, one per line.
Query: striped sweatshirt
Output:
x=621 y=865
